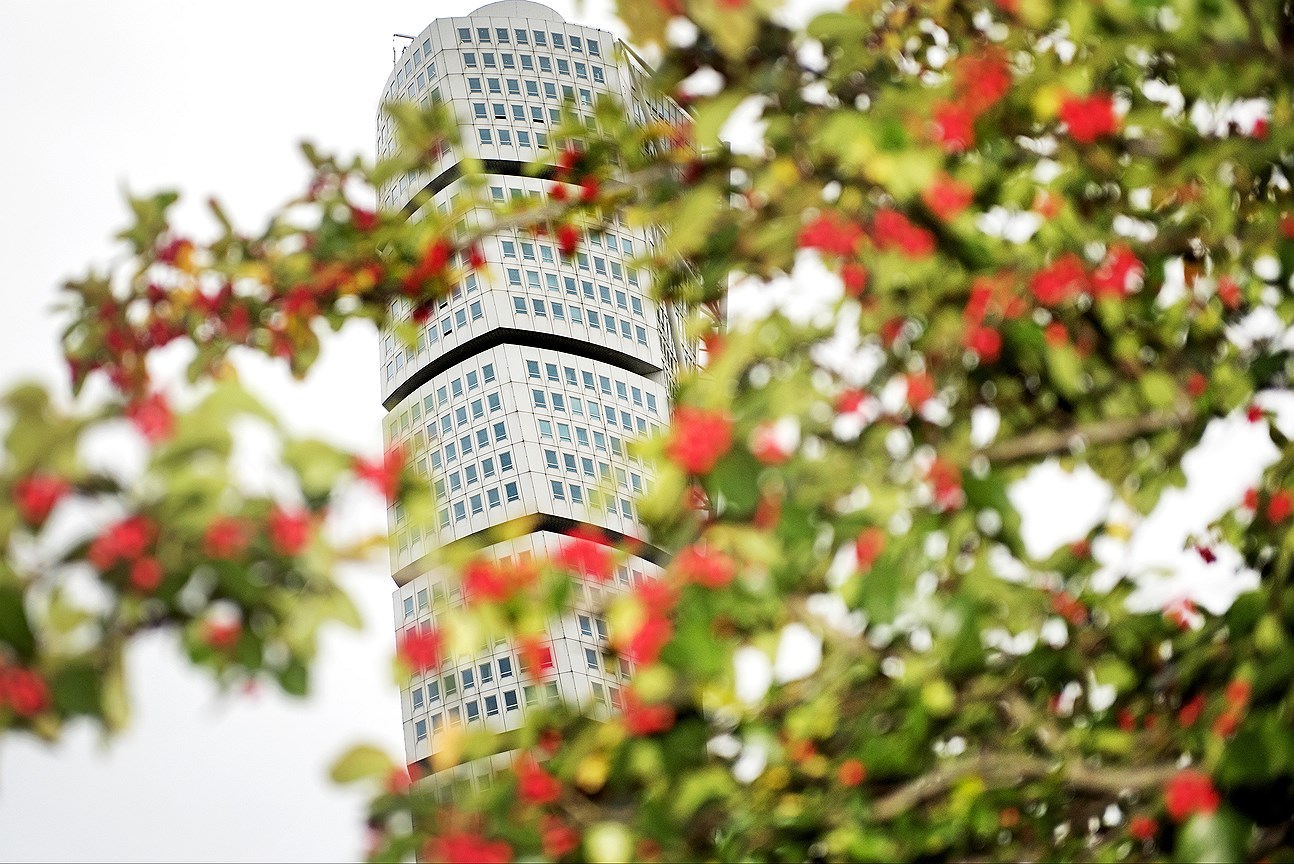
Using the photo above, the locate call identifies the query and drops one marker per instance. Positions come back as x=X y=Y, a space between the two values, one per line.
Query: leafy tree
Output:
x=1057 y=220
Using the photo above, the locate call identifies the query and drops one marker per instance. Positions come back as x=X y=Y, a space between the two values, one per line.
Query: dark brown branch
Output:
x=1046 y=442
x=1007 y=769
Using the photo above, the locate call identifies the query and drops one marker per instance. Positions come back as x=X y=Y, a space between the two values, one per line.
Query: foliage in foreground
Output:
x=1044 y=222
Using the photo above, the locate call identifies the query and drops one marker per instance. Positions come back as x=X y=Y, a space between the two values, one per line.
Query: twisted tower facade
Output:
x=527 y=383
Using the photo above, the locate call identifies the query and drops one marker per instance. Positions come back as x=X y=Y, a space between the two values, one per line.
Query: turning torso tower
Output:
x=525 y=386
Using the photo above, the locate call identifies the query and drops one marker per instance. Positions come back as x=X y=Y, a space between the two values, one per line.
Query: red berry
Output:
x=289 y=530
x=1090 y=117
x=146 y=575
x=36 y=495
x=699 y=439
x=419 y=650
x=1142 y=828
x=568 y=239
x=851 y=773
x=226 y=538
x=1188 y=793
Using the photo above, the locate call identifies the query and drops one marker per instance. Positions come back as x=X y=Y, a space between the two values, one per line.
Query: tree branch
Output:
x=1255 y=28
x=1046 y=442
x=1007 y=769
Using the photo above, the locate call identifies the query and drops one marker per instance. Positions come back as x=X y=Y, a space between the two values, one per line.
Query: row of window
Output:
x=522 y=36
x=597 y=499
x=595 y=264
x=469 y=473
x=477 y=504
x=604 y=413
x=624 y=479
x=550 y=90
x=594 y=383
x=506 y=61
x=563 y=434
x=504 y=138
x=420 y=603
x=471 y=710
x=576 y=315
x=614 y=242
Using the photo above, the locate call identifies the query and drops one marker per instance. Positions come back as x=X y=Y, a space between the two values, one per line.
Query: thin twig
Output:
x=1046 y=442
x=1006 y=769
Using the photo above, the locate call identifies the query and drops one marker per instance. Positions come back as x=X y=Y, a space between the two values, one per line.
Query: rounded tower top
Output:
x=518 y=9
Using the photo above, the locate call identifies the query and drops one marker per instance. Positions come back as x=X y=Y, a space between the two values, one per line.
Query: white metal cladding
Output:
x=597 y=298
x=490 y=690
x=527 y=385
x=507 y=76
x=517 y=431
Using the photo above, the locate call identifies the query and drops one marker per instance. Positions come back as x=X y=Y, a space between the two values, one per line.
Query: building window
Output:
x=420 y=730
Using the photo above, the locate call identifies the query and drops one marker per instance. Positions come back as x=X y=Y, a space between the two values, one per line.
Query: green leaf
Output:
x=77 y=689
x=711 y=114
x=1158 y=388
x=838 y=27
x=14 y=628
x=646 y=21
x=361 y=763
x=295 y=679
x=736 y=478
x=1222 y=836
x=878 y=589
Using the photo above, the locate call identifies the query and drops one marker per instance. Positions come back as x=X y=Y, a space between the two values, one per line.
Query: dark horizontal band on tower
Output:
x=453 y=172
x=526 y=338
x=534 y=524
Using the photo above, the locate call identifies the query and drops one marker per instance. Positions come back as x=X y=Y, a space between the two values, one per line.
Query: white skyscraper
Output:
x=527 y=383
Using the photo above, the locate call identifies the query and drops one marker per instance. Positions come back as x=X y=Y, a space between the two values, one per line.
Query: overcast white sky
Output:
x=212 y=98
x=207 y=98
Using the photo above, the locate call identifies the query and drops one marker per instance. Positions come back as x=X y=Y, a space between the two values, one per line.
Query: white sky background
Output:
x=207 y=99
x=212 y=98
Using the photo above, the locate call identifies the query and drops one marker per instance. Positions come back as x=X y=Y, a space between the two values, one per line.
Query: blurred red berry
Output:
x=954 y=127
x=587 y=552
x=700 y=437
x=36 y=495
x=705 y=566
x=851 y=773
x=1278 y=506
x=419 y=650
x=568 y=239
x=1189 y=793
x=892 y=230
x=152 y=417
x=23 y=691
x=947 y=197
x=226 y=538
x=1142 y=828
x=868 y=546
x=831 y=233
x=535 y=785
x=463 y=847
x=1089 y=117
x=1062 y=280
x=146 y=575
x=289 y=530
